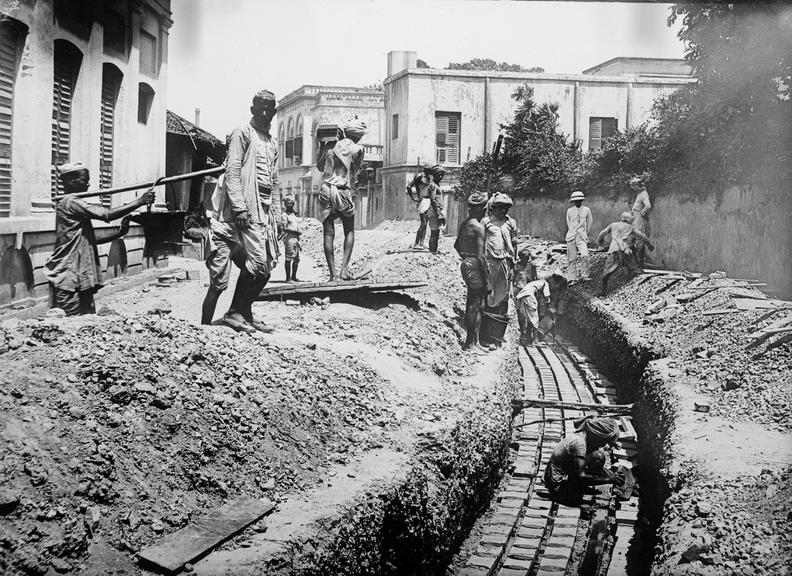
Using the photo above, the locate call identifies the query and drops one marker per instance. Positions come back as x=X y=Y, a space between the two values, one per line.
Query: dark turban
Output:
x=477 y=199
x=599 y=428
x=264 y=96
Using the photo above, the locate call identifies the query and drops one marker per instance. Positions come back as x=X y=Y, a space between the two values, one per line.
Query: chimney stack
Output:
x=197 y=117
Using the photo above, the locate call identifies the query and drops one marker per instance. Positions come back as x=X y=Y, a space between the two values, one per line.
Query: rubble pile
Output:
x=738 y=526
x=119 y=429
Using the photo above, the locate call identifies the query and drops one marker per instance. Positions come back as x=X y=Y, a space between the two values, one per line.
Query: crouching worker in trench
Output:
x=536 y=300
x=623 y=236
x=470 y=244
x=575 y=464
x=73 y=269
x=247 y=203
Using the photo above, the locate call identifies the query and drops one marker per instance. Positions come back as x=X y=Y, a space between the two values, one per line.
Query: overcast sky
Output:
x=222 y=51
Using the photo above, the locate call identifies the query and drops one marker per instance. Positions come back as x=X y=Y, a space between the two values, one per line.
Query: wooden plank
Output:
x=751 y=304
x=197 y=539
x=322 y=287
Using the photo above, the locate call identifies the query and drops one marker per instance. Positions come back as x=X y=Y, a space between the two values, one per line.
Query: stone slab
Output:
x=172 y=552
x=285 y=290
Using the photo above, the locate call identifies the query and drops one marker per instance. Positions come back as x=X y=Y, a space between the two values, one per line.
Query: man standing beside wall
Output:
x=578 y=218
x=73 y=269
x=640 y=210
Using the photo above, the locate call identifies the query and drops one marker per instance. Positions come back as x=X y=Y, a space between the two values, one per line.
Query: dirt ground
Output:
x=730 y=508
x=120 y=427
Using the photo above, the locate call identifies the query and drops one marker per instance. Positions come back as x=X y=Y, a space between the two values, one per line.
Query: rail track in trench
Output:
x=531 y=535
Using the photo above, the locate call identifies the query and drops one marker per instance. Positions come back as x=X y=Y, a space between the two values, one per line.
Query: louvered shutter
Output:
x=106 y=136
x=65 y=76
x=609 y=127
x=452 y=140
x=8 y=57
x=595 y=133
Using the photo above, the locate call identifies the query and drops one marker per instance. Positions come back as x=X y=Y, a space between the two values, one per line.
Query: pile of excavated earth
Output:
x=122 y=427
x=729 y=463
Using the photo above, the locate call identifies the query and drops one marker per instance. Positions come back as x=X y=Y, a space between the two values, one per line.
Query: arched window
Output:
x=111 y=86
x=67 y=59
x=298 y=142
x=290 y=142
x=281 y=146
x=145 y=100
x=12 y=39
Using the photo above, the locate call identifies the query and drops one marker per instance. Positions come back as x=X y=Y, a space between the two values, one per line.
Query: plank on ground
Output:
x=196 y=539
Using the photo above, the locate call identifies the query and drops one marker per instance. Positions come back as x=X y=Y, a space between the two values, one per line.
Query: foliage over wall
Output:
x=490 y=64
x=732 y=128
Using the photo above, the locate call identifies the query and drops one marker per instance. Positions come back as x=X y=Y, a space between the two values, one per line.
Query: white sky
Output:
x=222 y=51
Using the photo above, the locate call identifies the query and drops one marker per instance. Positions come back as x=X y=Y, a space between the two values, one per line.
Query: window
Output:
x=111 y=84
x=76 y=16
x=114 y=32
x=447 y=137
x=66 y=67
x=11 y=37
x=281 y=146
x=298 y=142
x=145 y=100
x=599 y=129
x=395 y=127
x=148 y=54
x=290 y=143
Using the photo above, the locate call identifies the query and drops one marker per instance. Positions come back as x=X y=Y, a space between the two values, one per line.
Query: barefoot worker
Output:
x=340 y=166
x=248 y=205
x=501 y=237
x=641 y=207
x=566 y=475
x=73 y=269
x=623 y=236
x=291 y=239
x=578 y=218
x=470 y=245
x=535 y=300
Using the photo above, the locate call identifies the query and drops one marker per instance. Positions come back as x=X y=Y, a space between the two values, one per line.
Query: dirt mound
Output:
x=118 y=429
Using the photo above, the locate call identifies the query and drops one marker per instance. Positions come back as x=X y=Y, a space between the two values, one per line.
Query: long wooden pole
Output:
x=520 y=403
x=140 y=185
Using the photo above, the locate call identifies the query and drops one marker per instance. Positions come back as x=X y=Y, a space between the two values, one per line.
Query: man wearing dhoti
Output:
x=501 y=242
x=340 y=166
x=640 y=211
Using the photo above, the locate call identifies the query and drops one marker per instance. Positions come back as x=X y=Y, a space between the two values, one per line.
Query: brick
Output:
x=512 y=507
x=565 y=542
x=562 y=531
x=504 y=519
x=512 y=495
x=474 y=571
x=517 y=564
x=489 y=549
x=554 y=561
x=550 y=571
x=526 y=546
x=511 y=572
x=486 y=562
x=530 y=533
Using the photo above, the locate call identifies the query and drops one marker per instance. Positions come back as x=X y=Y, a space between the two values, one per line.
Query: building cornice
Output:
x=582 y=78
x=315 y=91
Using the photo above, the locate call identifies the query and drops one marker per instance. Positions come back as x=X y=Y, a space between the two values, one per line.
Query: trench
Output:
x=524 y=532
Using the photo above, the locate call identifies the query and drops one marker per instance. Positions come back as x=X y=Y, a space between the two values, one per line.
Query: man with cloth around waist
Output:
x=470 y=246
x=247 y=204
x=579 y=221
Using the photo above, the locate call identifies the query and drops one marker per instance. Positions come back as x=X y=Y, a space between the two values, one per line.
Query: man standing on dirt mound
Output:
x=340 y=166
x=470 y=245
x=247 y=204
x=501 y=236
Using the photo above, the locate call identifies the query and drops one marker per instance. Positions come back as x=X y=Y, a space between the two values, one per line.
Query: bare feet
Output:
x=346 y=276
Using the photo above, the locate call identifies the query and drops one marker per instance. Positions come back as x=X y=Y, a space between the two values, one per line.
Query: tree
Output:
x=422 y=64
x=491 y=65
x=536 y=154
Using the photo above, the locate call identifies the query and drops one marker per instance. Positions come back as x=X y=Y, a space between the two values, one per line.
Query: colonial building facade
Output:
x=450 y=116
x=312 y=110
x=81 y=81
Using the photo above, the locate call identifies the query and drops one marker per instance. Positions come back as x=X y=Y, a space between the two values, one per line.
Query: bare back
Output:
x=471 y=236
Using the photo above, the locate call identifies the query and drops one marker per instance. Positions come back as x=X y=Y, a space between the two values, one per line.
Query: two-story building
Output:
x=450 y=116
x=320 y=109
x=81 y=81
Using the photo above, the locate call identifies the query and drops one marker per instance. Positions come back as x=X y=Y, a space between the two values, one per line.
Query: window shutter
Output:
x=595 y=133
x=62 y=93
x=453 y=140
x=106 y=136
x=8 y=56
x=298 y=146
x=609 y=127
x=447 y=137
